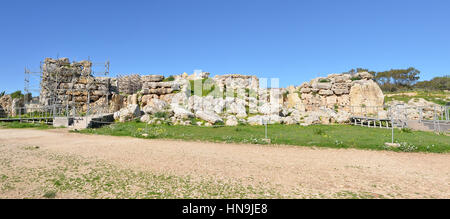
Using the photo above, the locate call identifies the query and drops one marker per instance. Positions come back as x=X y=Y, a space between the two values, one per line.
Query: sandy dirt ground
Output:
x=294 y=172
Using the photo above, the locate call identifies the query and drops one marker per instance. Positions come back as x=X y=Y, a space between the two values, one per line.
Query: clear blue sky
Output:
x=292 y=40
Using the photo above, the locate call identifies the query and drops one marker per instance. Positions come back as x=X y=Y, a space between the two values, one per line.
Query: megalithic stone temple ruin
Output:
x=199 y=99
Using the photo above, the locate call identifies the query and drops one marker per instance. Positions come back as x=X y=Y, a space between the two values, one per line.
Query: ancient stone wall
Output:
x=71 y=84
x=153 y=87
x=236 y=81
x=341 y=92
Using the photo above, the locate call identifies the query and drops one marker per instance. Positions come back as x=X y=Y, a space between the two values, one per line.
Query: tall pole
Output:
x=266 y=129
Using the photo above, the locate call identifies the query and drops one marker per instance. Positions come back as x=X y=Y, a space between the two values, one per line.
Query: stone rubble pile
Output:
x=414 y=109
x=321 y=101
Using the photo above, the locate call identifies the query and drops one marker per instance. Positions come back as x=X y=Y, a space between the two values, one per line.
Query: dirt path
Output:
x=293 y=171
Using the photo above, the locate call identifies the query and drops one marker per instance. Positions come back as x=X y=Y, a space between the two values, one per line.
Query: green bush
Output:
x=324 y=80
x=170 y=78
x=161 y=115
x=318 y=131
x=17 y=94
x=355 y=78
x=406 y=130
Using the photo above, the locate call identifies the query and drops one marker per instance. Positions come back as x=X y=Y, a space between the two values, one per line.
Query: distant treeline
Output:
x=405 y=79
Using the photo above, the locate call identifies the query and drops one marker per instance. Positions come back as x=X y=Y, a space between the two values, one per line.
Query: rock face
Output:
x=368 y=94
x=5 y=105
x=155 y=106
x=340 y=92
x=71 y=83
x=17 y=107
x=236 y=81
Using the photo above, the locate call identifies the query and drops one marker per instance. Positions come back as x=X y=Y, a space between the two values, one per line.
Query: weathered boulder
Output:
x=231 y=121
x=366 y=93
x=145 y=118
x=323 y=85
x=255 y=120
x=326 y=92
x=152 y=78
x=208 y=116
x=364 y=75
x=293 y=100
x=305 y=90
x=155 y=106
x=238 y=109
x=342 y=117
x=116 y=102
x=130 y=112
x=181 y=113
x=252 y=105
x=17 y=105
x=219 y=105
x=288 y=120
x=312 y=118
x=6 y=103
x=262 y=119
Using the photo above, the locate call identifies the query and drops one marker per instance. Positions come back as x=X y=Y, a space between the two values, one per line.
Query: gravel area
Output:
x=289 y=171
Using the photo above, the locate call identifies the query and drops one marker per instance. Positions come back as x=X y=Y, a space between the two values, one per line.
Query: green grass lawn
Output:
x=438 y=97
x=334 y=136
x=17 y=125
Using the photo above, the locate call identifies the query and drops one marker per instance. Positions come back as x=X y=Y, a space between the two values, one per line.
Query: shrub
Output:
x=339 y=143
x=220 y=123
x=406 y=130
x=318 y=131
x=324 y=80
x=161 y=115
x=170 y=78
x=50 y=194
x=355 y=78
x=406 y=147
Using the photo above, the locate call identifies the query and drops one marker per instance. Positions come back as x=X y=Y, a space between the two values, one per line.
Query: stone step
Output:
x=92 y=121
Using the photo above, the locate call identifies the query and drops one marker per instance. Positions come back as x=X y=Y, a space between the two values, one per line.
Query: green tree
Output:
x=17 y=94
x=437 y=83
x=395 y=79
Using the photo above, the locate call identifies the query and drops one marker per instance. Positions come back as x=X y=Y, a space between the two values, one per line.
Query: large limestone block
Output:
x=323 y=86
x=326 y=92
x=152 y=78
x=155 y=106
x=367 y=94
x=208 y=116
x=293 y=100
x=127 y=113
x=231 y=121
x=181 y=113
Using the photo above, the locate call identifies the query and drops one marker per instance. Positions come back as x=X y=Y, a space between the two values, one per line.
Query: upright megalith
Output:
x=366 y=94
